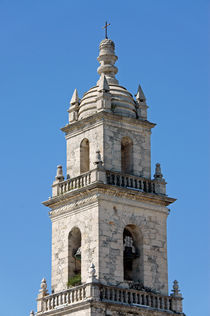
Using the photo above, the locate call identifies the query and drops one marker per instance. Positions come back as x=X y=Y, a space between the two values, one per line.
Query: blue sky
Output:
x=48 y=48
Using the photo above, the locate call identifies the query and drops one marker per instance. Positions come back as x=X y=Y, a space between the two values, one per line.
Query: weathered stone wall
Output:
x=106 y=135
x=101 y=218
x=94 y=133
x=85 y=217
x=114 y=131
x=114 y=214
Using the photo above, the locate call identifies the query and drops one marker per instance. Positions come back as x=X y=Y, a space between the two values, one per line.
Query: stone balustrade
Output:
x=61 y=299
x=129 y=181
x=109 y=177
x=71 y=184
x=110 y=294
x=135 y=297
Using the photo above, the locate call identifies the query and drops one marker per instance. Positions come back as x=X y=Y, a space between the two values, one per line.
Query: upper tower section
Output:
x=110 y=120
x=107 y=95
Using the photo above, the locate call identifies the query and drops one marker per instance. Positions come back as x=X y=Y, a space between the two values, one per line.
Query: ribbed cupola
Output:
x=108 y=95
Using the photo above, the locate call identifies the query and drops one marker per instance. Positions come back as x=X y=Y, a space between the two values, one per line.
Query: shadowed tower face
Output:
x=109 y=239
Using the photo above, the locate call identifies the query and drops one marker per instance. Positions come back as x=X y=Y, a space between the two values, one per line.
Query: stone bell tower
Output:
x=109 y=239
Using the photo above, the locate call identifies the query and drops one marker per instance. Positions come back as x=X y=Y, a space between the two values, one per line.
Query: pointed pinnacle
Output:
x=75 y=98
x=140 y=94
x=103 y=84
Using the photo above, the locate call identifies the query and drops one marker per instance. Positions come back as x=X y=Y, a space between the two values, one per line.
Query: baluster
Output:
x=112 y=294
x=118 y=180
x=131 y=298
x=76 y=295
x=167 y=304
x=64 y=298
x=158 y=302
x=48 y=304
x=126 y=296
x=71 y=297
x=149 y=300
x=117 y=295
x=60 y=299
x=108 y=293
x=162 y=303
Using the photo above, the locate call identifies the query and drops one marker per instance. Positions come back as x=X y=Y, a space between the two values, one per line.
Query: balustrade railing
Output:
x=74 y=183
x=64 y=298
x=129 y=181
x=135 y=297
x=109 y=177
x=110 y=294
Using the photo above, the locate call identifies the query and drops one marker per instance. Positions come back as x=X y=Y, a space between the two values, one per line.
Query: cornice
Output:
x=105 y=116
x=97 y=188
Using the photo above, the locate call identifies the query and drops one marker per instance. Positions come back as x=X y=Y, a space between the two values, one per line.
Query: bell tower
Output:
x=109 y=238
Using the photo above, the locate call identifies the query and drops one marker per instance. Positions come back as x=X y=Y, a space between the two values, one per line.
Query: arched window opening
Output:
x=132 y=254
x=84 y=156
x=74 y=257
x=126 y=155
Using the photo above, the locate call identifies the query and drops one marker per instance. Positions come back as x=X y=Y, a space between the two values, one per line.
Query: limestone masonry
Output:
x=109 y=238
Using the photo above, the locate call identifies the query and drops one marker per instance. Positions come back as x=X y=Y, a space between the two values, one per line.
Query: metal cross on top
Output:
x=105 y=27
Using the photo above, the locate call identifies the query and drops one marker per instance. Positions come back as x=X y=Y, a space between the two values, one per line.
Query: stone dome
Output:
x=107 y=95
x=122 y=102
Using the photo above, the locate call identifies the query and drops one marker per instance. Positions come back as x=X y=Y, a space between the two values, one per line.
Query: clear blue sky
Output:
x=48 y=48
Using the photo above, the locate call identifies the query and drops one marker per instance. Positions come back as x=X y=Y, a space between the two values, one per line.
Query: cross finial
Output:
x=105 y=27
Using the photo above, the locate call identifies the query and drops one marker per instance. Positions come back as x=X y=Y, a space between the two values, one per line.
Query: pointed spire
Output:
x=140 y=95
x=103 y=84
x=75 y=98
x=32 y=313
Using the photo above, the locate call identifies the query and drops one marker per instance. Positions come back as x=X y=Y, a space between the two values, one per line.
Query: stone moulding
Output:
x=105 y=115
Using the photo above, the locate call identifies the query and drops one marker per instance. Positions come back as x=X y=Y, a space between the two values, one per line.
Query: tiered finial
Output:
x=107 y=59
x=98 y=161
x=158 y=174
x=32 y=313
x=176 y=291
x=43 y=286
x=92 y=274
x=59 y=174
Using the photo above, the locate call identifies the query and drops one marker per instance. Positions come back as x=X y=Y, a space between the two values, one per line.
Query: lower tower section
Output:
x=109 y=249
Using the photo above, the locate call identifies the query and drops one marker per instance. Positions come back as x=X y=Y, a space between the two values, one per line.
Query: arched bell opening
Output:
x=74 y=257
x=84 y=155
x=126 y=155
x=132 y=254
